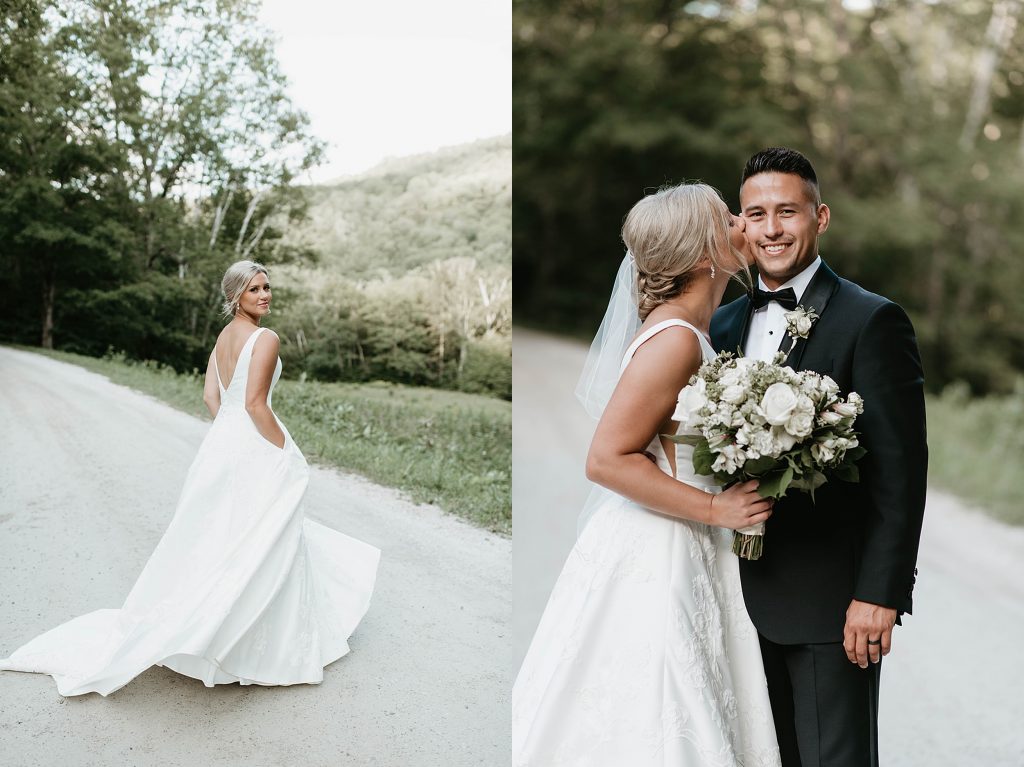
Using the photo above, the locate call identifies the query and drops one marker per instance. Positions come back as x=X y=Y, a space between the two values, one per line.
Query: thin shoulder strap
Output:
x=653 y=330
x=252 y=336
x=250 y=342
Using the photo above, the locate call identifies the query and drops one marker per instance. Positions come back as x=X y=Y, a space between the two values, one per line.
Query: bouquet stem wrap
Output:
x=748 y=542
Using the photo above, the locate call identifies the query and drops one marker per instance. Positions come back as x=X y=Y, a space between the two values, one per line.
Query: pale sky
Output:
x=383 y=78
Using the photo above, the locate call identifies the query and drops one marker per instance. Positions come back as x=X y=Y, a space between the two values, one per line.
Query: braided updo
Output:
x=672 y=234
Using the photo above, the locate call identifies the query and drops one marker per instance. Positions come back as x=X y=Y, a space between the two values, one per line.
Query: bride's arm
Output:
x=211 y=390
x=261 y=373
x=640 y=408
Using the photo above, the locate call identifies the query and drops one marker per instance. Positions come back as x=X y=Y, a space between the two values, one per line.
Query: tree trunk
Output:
x=440 y=351
x=49 y=292
x=1000 y=31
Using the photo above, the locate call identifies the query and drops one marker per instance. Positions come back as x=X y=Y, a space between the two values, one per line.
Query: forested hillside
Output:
x=411 y=279
x=410 y=211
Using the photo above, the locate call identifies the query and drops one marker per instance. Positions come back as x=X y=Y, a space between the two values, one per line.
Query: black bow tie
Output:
x=786 y=298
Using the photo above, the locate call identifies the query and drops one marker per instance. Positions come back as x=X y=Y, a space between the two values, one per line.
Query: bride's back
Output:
x=228 y=349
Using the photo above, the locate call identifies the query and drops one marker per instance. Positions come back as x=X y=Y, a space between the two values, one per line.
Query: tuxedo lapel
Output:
x=823 y=284
x=746 y=314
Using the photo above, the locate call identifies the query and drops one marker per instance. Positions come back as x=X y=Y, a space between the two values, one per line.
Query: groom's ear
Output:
x=824 y=216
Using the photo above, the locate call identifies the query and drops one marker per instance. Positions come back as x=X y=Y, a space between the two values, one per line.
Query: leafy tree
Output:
x=169 y=118
x=58 y=209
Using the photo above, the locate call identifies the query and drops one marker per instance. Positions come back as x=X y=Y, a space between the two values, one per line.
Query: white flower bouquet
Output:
x=760 y=420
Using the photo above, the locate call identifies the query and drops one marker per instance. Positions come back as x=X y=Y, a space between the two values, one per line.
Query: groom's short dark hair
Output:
x=779 y=159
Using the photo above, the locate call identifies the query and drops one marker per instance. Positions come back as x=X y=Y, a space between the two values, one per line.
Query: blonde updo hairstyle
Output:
x=674 y=233
x=236 y=280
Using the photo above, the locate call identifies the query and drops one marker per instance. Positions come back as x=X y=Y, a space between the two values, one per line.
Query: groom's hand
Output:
x=865 y=625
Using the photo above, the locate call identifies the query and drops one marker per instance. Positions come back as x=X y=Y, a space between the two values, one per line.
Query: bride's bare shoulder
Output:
x=266 y=348
x=268 y=339
x=234 y=336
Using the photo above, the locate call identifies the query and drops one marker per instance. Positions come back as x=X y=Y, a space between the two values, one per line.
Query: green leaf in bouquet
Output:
x=856 y=453
x=759 y=466
x=817 y=480
x=806 y=458
x=848 y=472
x=703 y=458
x=774 y=485
x=810 y=482
x=684 y=439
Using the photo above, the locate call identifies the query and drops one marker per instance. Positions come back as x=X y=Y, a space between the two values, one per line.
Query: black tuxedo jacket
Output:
x=858 y=540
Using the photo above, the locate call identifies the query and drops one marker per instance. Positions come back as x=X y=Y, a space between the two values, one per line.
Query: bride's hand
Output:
x=739 y=506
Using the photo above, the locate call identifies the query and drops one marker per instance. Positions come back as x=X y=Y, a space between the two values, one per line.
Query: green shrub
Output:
x=488 y=369
x=976 y=448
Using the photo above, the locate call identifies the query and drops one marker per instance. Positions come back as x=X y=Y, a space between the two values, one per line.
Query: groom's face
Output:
x=783 y=224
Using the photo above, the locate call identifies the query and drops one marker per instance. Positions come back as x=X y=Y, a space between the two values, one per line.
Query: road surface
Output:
x=89 y=476
x=953 y=687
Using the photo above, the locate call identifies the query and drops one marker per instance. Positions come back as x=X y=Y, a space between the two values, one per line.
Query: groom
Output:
x=835 y=574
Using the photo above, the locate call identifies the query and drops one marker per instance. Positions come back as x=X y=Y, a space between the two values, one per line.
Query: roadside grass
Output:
x=976 y=449
x=447 y=448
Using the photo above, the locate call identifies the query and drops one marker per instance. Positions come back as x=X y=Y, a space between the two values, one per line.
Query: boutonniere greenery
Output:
x=800 y=321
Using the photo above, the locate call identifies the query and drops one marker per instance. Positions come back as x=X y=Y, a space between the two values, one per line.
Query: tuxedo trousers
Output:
x=825 y=707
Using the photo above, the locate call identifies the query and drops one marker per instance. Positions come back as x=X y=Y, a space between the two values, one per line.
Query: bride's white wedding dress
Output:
x=645 y=655
x=241 y=588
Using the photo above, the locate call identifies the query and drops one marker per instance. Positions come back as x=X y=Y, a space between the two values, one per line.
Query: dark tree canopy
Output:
x=911 y=113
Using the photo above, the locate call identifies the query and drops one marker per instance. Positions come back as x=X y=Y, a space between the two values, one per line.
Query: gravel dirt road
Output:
x=89 y=476
x=953 y=686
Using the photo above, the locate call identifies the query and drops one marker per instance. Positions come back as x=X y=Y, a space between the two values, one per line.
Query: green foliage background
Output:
x=910 y=111
x=147 y=145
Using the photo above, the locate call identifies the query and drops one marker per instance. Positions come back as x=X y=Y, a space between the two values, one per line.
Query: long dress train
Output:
x=241 y=588
x=645 y=655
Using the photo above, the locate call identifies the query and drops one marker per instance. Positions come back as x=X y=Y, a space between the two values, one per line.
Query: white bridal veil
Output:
x=603 y=367
x=619 y=327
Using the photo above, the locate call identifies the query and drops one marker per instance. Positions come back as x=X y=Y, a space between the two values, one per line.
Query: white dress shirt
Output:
x=768 y=324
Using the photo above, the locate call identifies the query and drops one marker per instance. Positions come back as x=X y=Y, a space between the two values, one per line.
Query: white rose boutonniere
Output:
x=800 y=321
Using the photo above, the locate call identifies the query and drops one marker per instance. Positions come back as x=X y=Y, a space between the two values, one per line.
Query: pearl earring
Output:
x=713 y=272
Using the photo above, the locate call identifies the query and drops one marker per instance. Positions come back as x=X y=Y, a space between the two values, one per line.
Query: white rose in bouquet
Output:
x=734 y=394
x=801 y=424
x=691 y=400
x=732 y=377
x=778 y=403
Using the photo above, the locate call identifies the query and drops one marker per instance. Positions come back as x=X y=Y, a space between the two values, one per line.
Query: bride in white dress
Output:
x=645 y=655
x=241 y=588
